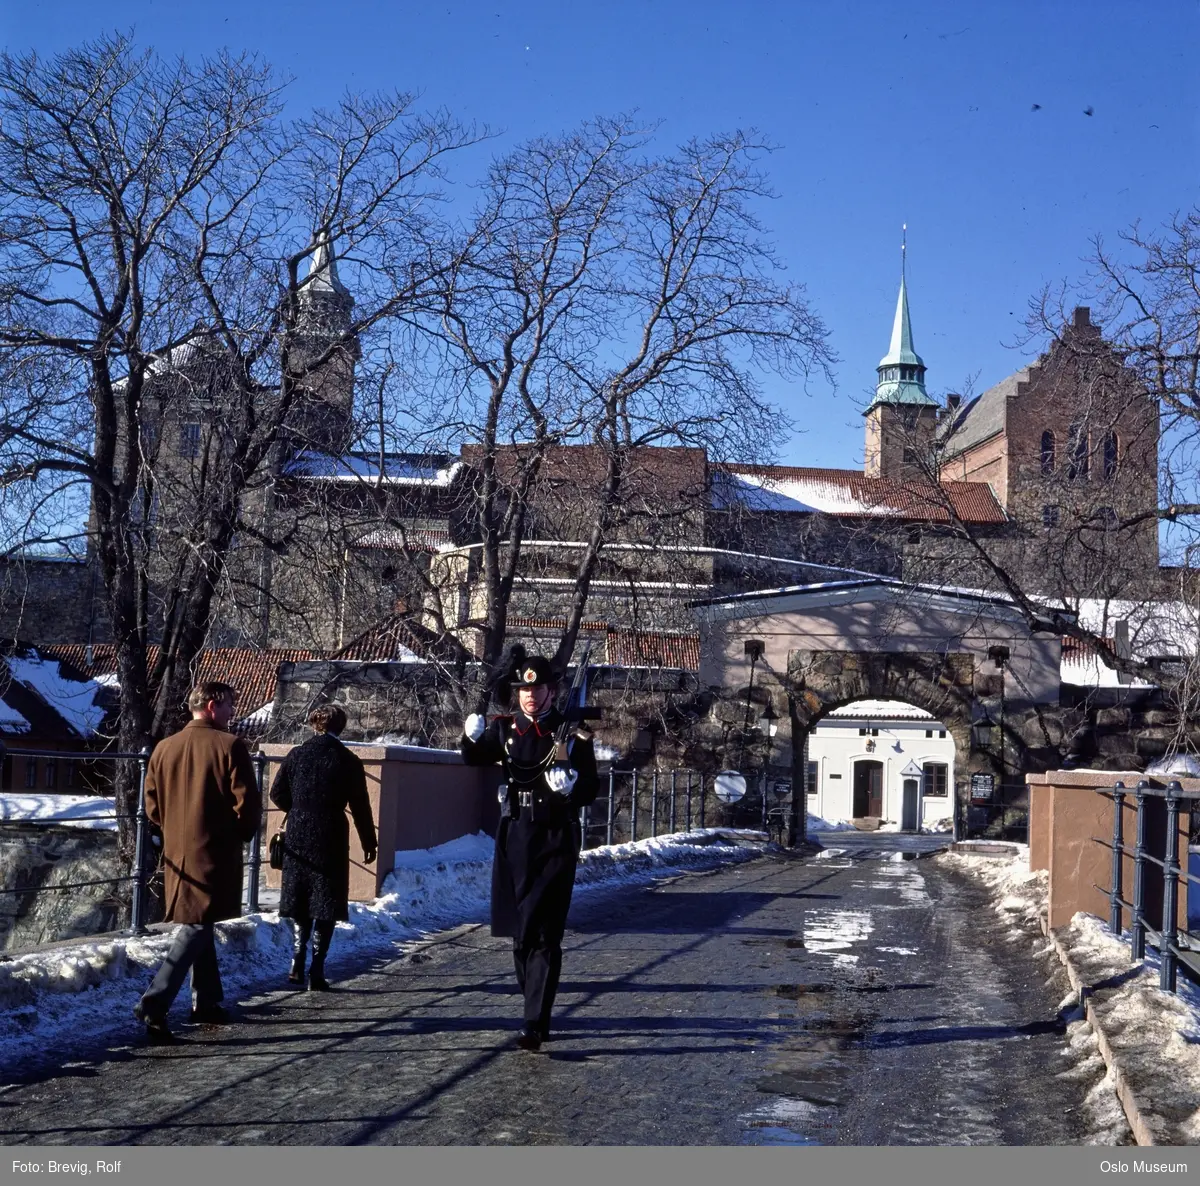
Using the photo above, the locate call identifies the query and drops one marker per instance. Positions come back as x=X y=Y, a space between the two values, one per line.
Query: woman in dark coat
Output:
x=315 y=784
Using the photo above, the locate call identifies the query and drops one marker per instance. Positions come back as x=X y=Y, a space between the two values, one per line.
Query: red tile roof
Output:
x=626 y=648
x=251 y=672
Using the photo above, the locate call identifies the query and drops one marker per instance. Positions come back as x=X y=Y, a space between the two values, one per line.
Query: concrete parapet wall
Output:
x=1069 y=815
x=420 y=798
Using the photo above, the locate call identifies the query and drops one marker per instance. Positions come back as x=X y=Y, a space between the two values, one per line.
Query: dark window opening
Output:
x=1049 y=517
x=1077 y=442
x=51 y=773
x=70 y=775
x=1108 y=518
x=1047 y=452
x=1111 y=456
x=928 y=732
x=811 y=779
x=30 y=773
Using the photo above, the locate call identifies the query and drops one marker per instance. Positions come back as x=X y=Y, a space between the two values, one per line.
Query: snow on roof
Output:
x=880 y=709
x=400 y=469
x=73 y=700
x=780 y=488
x=12 y=721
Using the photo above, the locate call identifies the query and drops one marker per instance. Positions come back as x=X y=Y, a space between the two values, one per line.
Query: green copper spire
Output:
x=901 y=369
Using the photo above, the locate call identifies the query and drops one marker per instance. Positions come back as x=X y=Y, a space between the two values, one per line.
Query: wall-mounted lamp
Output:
x=755 y=648
x=999 y=656
x=981 y=734
x=766 y=722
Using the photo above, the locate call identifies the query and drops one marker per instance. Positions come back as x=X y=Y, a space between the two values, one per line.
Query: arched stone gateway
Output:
x=968 y=659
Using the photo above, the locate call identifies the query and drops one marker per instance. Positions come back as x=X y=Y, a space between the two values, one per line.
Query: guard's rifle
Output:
x=574 y=710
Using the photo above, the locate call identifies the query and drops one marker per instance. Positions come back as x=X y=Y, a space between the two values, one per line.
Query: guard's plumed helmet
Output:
x=531 y=672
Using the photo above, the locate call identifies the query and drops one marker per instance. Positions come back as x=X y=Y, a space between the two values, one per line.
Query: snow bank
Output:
x=817 y=824
x=1150 y=1038
x=76 y=811
x=87 y=987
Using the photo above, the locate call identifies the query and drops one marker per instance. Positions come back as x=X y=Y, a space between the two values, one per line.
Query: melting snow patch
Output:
x=831 y=932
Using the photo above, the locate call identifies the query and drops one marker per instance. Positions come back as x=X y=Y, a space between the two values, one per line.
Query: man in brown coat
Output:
x=201 y=792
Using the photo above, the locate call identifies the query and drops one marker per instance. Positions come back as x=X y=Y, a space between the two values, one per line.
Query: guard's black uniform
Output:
x=537 y=848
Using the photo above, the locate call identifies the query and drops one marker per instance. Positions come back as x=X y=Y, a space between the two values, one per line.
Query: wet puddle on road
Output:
x=810 y=1078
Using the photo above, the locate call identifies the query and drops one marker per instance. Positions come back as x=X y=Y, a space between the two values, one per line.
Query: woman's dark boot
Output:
x=300 y=934
x=322 y=937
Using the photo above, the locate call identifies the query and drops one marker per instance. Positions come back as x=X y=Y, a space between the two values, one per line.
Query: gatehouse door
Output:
x=908 y=812
x=868 y=789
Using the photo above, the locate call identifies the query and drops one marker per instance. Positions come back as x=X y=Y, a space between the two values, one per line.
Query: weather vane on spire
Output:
x=903 y=247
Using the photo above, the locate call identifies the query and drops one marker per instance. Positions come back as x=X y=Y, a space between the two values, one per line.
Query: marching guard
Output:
x=550 y=772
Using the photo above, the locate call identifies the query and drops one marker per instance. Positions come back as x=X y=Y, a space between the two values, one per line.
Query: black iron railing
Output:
x=1167 y=803
x=141 y=871
x=644 y=804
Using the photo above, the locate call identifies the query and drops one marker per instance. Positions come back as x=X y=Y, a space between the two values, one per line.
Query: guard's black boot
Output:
x=322 y=937
x=530 y=1038
x=300 y=934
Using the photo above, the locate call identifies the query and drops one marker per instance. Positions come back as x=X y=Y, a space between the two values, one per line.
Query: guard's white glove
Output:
x=474 y=726
x=561 y=779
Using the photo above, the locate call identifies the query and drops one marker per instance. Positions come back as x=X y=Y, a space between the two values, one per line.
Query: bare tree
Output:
x=170 y=318
x=612 y=302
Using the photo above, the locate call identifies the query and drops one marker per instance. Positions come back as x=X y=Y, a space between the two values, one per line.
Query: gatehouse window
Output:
x=1108 y=518
x=936 y=780
x=810 y=780
x=1049 y=517
x=1111 y=456
x=30 y=773
x=51 y=771
x=1047 y=452
x=189 y=440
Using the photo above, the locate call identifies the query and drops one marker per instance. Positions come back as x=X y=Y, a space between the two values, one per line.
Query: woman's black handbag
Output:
x=275 y=847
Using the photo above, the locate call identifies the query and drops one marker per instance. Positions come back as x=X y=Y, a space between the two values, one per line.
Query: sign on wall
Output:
x=982 y=786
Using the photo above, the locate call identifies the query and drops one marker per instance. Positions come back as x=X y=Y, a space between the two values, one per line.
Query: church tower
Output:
x=325 y=413
x=901 y=419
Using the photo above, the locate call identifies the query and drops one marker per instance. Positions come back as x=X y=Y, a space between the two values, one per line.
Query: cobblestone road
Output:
x=849 y=1000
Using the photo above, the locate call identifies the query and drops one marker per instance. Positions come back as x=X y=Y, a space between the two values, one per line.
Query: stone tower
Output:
x=902 y=419
x=324 y=416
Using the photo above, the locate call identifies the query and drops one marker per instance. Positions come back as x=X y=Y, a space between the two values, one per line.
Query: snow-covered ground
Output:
x=75 y=811
x=88 y=987
x=1152 y=1036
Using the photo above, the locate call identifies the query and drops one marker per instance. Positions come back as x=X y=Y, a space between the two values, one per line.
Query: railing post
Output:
x=673 y=773
x=137 y=907
x=633 y=809
x=1114 y=906
x=612 y=790
x=1137 y=927
x=702 y=799
x=260 y=765
x=1170 y=920
x=688 y=800
x=764 y=800
x=3 y=756
x=654 y=804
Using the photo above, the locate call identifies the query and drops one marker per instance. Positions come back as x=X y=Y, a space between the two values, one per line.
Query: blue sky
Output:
x=883 y=113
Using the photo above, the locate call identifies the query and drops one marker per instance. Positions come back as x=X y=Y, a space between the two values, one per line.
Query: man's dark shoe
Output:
x=211 y=1015
x=158 y=1033
x=530 y=1038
